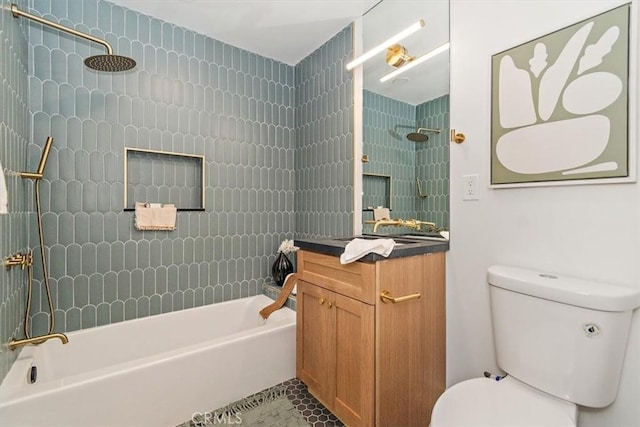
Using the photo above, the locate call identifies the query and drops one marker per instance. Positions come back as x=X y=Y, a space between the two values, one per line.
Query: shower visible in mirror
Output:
x=421 y=135
x=406 y=119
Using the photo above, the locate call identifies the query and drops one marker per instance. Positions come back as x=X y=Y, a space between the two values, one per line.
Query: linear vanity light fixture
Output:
x=393 y=40
x=415 y=62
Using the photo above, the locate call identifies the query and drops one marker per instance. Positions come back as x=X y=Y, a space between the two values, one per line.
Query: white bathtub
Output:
x=155 y=371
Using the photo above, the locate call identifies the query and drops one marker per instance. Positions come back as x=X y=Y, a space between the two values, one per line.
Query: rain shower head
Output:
x=108 y=62
x=418 y=137
x=421 y=134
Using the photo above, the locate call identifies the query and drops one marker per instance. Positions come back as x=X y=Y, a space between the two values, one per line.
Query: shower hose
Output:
x=45 y=273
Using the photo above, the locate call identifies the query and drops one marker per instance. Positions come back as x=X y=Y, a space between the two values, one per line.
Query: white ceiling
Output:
x=285 y=30
x=290 y=30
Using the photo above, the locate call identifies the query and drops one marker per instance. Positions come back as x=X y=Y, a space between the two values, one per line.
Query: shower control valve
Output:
x=23 y=260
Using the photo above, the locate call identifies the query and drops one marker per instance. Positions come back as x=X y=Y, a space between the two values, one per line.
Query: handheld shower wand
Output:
x=43 y=161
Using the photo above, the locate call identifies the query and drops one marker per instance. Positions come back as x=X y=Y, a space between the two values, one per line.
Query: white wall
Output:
x=590 y=231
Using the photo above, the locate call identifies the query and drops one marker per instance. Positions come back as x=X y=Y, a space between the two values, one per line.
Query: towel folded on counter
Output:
x=357 y=248
x=155 y=216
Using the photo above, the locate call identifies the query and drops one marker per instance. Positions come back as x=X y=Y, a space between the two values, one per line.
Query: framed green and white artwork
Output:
x=560 y=106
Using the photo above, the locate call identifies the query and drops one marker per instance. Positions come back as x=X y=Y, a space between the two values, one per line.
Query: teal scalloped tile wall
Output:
x=14 y=139
x=188 y=94
x=432 y=162
x=386 y=122
x=252 y=118
x=324 y=146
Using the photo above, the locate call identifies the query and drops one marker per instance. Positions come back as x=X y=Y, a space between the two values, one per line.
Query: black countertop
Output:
x=404 y=247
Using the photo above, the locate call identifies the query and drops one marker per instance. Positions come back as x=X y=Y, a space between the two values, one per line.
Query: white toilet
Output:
x=561 y=341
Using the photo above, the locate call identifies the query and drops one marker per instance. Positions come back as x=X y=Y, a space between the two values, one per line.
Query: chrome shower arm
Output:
x=17 y=13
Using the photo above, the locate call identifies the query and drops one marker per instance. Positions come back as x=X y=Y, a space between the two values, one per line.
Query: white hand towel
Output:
x=157 y=218
x=357 y=248
x=4 y=195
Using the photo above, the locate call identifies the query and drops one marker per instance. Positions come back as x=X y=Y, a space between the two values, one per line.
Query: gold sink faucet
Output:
x=410 y=223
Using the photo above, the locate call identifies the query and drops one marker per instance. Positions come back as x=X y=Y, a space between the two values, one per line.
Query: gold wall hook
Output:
x=458 y=138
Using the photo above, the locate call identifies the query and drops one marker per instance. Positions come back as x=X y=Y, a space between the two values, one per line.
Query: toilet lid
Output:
x=505 y=403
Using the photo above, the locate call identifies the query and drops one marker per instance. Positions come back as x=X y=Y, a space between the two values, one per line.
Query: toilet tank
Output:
x=562 y=335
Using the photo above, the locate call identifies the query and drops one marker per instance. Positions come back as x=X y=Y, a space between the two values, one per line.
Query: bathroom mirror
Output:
x=405 y=120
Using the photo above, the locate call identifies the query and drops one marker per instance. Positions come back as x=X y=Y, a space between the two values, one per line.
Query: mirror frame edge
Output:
x=358 y=123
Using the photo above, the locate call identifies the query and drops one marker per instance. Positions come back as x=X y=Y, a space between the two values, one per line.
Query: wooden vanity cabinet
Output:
x=372 y=363
x=336 y=352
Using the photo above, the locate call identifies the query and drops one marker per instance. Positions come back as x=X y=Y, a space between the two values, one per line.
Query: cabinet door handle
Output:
x=330 y=304
x=321 y=301
x=386 y=296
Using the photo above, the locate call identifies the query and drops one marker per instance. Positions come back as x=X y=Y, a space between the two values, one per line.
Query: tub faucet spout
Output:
x=14 y=343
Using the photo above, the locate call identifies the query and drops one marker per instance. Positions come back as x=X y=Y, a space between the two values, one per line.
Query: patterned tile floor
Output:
x=313 y=411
